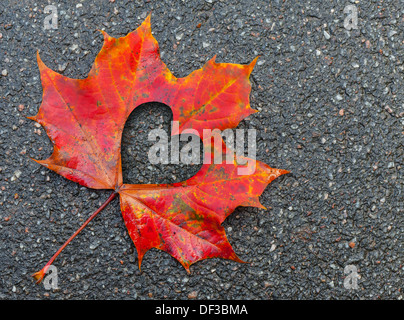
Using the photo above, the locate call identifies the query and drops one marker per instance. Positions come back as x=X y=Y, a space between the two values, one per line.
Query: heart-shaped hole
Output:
x=136 y=165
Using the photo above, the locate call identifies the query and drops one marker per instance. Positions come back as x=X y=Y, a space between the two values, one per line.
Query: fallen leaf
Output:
x=84 y=119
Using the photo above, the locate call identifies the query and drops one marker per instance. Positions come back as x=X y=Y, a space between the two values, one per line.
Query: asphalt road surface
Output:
x=331 y=104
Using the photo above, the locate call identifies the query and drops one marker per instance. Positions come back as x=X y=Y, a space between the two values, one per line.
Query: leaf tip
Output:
x=281 y=172
x=34 y=159
x=237 y=259
x=254 y=202
x=250 y=66
x=211 y=61
x=149 y=15
x=44 y=163
x=33 y=118
x=105 y=34
x=147 y=22
x=252 y=111
x=140 y=258
x=262 y=207
x=41 y=64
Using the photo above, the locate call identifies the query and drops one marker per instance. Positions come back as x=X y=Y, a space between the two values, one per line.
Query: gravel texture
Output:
x=331 y=107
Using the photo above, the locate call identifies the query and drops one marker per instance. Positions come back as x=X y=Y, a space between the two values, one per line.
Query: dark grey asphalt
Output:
x=332 y=106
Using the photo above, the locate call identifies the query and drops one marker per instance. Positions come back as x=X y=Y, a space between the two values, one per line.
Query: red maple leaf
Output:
x=84 y=119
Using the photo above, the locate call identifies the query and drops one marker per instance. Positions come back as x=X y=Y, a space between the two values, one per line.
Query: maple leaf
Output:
x=84 y=118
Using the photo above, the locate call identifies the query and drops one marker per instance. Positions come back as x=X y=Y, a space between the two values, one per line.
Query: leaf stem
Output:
x=40 y=274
